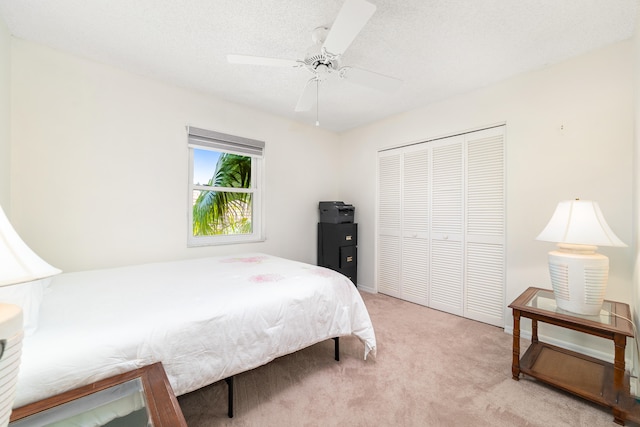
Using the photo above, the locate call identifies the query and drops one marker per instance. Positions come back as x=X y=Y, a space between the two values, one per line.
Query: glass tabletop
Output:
x=545 y=300
x=122 y=405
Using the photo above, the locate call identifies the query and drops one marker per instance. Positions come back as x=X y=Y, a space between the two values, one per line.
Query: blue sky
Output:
x=204 y=165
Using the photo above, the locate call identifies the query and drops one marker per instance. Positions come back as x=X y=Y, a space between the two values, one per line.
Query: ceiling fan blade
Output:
x=353 y=16
x=261 y=60
x=309 y=96
x=370 y=79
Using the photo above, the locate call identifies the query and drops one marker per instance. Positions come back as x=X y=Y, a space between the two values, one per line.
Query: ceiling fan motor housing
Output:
x=318 y=59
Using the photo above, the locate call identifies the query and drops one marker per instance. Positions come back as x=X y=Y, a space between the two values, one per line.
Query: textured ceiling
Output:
x=439 y=48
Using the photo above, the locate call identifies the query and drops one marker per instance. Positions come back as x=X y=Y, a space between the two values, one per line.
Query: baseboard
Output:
x=368 y=289
x=633 y=385
x=634 y=381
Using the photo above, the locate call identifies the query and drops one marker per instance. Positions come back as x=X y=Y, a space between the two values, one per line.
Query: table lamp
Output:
x=578 y=273
x=18 y=264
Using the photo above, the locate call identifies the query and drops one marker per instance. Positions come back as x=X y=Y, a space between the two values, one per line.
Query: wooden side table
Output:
x=593 y=379
x=146 y=390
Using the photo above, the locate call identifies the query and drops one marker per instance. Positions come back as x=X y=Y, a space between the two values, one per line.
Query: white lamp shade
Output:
x=18 y=263
x=579 y=222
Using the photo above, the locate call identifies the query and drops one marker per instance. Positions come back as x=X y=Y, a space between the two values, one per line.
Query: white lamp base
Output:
x=11 y=349
x=579 y=278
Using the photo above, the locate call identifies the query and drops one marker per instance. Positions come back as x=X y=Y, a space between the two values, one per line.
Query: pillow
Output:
x=29 y=297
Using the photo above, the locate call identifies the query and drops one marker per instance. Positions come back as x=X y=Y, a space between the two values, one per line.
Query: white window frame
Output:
x=203 y=139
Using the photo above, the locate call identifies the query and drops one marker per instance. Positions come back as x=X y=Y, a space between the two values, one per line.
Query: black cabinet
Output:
x=337 y=248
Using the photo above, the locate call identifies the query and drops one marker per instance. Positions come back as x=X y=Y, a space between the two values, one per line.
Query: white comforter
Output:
x=204 y=319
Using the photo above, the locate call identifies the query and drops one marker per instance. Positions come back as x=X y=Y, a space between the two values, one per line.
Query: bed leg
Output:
x=337 y=348
x=229 y=382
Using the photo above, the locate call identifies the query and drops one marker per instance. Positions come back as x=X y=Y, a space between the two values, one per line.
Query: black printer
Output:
x=336 y=212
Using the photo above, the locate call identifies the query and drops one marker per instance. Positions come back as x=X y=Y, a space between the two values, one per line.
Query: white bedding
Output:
x=204 y=319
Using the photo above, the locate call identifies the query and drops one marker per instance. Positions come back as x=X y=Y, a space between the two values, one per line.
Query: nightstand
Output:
x=593 y=379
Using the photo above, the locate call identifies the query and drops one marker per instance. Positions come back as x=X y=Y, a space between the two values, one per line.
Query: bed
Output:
x=205 y=319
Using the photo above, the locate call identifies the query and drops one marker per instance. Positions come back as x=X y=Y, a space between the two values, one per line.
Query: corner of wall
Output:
x=5 y=115
x=635 y=301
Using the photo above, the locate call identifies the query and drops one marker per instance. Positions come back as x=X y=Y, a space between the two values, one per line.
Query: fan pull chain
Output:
x=317 y=102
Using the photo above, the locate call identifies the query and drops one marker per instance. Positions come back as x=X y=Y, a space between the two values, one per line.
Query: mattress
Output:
x=205 y=319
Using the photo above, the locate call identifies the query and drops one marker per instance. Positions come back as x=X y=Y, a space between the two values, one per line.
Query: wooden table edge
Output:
x=621 y=313
x=154 y=380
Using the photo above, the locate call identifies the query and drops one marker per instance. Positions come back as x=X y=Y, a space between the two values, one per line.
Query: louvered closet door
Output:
x=415 y=225
x=441 y=224
x=447 y=213
x=485 y=228
x=389 y=189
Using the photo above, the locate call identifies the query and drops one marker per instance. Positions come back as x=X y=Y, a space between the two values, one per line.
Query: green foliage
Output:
x=225 y=212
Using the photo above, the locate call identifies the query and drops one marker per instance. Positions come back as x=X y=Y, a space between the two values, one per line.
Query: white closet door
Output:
x=389 y=255
x=485 y=228
x=447 y=213
x=441 y=224
x=415 y=225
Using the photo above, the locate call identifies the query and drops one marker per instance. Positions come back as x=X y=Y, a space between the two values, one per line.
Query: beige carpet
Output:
x=432 y=369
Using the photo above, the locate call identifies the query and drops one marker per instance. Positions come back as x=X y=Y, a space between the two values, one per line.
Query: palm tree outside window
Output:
x=225 y=192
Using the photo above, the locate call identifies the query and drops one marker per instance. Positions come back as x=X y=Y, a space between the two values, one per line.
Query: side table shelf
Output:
x=601 y=382
x=570 y=371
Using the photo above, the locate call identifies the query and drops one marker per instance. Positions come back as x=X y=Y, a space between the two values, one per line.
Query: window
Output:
x=225 y=188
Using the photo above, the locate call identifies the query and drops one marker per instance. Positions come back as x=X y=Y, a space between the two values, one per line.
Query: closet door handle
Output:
x=347 y=238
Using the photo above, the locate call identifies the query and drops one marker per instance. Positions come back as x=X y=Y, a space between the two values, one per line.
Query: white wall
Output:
x=589 y=96
x=99 y=161
x=99 y=174
x=5 y=129
x=636 y=189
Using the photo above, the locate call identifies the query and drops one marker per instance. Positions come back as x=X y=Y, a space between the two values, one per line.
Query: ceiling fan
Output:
x=323 y=58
